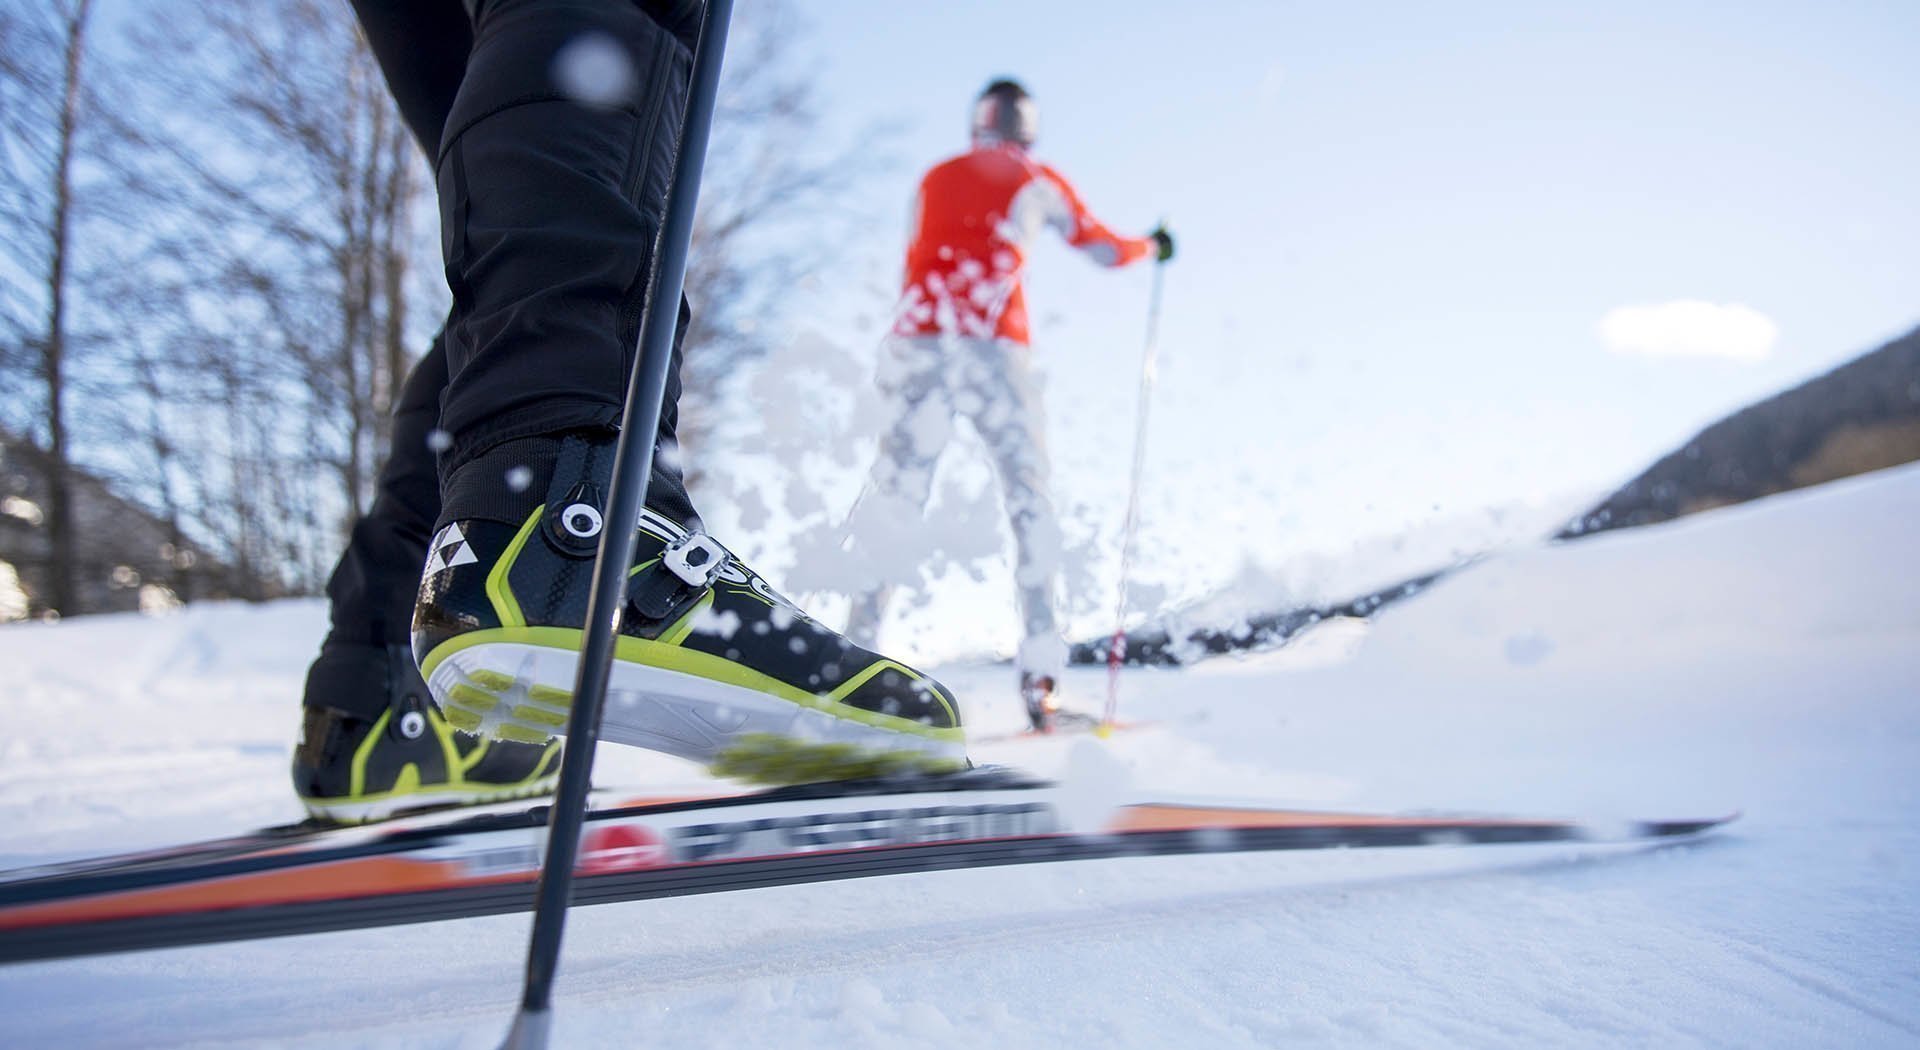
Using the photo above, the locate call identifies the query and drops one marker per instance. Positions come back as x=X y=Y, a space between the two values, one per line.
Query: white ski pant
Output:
x=928 y=381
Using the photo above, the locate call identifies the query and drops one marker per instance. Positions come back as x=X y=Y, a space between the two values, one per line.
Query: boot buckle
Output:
x=696 y=558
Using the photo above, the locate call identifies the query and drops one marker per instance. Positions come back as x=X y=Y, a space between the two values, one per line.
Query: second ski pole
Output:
x=1117 y=648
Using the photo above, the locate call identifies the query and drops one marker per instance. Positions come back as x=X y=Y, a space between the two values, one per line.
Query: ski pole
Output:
x=632 y=466
x=1117 y=648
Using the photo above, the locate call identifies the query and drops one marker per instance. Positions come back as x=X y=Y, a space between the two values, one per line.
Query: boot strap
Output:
x=573 y=520
x=685 y=570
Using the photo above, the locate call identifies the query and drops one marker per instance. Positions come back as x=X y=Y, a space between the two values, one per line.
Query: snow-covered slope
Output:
x=1764 y=657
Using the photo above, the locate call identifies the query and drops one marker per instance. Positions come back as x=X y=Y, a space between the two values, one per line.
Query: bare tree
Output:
x=253 y=259
x=768 y=212
x=299 y=182
x=43 y=64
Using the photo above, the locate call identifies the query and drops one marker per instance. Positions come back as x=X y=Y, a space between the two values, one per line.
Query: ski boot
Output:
x=1043 y=705
x=711 y=663
x=373 y=744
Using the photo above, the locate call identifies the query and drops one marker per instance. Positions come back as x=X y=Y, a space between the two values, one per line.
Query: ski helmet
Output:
x=1004 y=112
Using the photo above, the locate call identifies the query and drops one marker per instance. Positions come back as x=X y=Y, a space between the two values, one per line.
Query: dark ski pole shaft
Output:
x=632 y=465
x=1117 y=648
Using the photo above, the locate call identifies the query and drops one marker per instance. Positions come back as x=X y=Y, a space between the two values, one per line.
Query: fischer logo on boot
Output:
x=448 y=549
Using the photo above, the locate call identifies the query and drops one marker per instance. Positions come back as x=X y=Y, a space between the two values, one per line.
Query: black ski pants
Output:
x=549 y=208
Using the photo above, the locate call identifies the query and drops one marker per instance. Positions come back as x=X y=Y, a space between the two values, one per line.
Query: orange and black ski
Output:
x=484 y=862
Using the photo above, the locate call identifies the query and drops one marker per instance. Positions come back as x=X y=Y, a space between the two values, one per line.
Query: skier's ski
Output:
x=469 y=863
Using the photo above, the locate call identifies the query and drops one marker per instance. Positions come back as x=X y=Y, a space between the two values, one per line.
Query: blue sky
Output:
x=1401 y=227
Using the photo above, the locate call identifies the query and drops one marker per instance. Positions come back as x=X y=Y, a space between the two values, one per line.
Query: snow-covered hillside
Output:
x=1765 y=657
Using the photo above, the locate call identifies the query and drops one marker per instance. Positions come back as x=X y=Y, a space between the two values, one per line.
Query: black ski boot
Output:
x=711 y=663
x=373 y=744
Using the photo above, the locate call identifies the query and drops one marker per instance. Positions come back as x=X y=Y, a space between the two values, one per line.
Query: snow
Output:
x=1765 y=657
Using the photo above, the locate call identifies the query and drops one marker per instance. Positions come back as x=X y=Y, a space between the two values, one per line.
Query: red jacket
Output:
x=971 y=223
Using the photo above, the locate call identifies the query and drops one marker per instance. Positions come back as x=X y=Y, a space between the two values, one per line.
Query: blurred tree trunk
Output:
x=154 y=434
x=60 y=519
x=43 y=80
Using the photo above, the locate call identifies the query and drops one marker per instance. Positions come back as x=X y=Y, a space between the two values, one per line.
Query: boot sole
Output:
x=368 y=811
x=522 y=691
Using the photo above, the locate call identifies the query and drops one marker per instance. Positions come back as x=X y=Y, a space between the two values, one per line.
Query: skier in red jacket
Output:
x=960 y=346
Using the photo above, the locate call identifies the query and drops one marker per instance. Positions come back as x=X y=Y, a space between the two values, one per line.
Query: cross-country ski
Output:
x=288 y=881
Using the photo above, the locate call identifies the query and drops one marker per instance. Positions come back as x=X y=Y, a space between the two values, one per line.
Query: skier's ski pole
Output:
x=1117 y=648
x=632 y=466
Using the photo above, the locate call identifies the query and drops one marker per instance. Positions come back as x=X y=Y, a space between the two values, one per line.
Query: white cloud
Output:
x=1690 y=328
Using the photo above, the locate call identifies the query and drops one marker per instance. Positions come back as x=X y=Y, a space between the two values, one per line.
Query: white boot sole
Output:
x=514 y=684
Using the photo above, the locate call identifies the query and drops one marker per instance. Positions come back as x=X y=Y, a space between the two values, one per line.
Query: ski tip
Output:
x=1666 y=829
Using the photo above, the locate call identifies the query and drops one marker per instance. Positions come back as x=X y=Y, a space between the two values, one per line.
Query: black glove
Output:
x=1164 y=241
